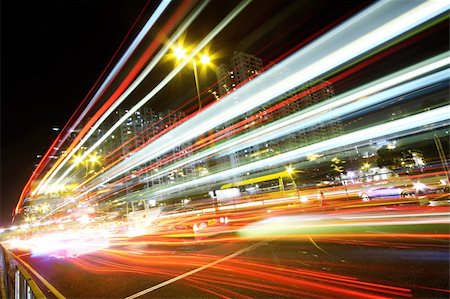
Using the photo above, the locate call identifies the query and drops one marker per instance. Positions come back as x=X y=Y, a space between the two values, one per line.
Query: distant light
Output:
x=179 y=52
x=204 y=59
x=56 y=129
x=94 y=158
x=289 y=169
x=84 y=219
x=366 y=166
x=45 y=207
x=313 y=157
x=392 y=145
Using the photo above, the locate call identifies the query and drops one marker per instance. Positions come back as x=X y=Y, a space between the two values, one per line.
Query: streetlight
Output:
x=289 y=169
x=180 y=53
x=366 y=166
x=93 y=159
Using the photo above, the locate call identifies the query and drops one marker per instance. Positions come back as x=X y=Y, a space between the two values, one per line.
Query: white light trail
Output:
x=182 y=28
x=302 y=224
x=365 y=31
x=164 y=82
x=158 y=88
x=151 y=21
x=418 y=122
x=148 y=25
x=159 y=10
x=333 y=108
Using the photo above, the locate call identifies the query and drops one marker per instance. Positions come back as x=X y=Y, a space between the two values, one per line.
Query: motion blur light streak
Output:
x=337 y=37
x=154 y=262
x=322 y=173
x=164 y=139
x=242 y=141
x=69 y=127
x=417 y=122
x=161 y=85
x=88 y=130
x=114 y=71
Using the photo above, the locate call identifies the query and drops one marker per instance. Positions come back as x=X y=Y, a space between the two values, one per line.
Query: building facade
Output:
x=241 y=68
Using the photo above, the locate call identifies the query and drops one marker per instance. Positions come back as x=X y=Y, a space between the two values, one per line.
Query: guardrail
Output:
x=3 y=275
x=15 y=281
x=24 y=285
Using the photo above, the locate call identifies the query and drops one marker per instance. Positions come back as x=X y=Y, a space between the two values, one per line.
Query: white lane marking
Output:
x=164 y=283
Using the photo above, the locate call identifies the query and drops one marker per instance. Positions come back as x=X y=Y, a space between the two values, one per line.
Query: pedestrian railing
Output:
x=24 y=285
x=15 y=281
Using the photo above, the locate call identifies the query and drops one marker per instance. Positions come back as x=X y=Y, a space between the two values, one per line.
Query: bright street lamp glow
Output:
x=204 y=59
x=289 y=169
x=94 y=158
x=179 y=52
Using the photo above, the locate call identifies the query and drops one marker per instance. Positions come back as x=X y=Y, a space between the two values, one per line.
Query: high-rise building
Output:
x=138 y=129
x=242 y=67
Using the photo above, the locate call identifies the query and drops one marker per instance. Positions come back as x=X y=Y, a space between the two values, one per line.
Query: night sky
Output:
x=51 y=55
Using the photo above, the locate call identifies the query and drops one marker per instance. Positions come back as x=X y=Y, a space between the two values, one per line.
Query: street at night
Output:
x=225 y=149
x=380 y=259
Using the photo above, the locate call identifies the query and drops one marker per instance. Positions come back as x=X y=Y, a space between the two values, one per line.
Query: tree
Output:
x=337 y=166
x=394 y=158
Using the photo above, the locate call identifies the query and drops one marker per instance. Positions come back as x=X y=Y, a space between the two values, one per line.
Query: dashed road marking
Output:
x=167 y=282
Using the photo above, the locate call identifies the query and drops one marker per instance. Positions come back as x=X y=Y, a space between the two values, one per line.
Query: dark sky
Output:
x=52 y=52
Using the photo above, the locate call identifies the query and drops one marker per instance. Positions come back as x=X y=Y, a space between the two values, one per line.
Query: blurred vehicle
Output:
x=383 y=192
x=414 y=190
x=210 y=225
x=195 y=226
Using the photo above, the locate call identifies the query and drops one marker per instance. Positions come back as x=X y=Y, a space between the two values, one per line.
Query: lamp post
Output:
x=180 y=53
x=290 y=171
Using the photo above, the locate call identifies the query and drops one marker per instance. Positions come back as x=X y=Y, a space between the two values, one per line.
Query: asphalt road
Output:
x=371 y=264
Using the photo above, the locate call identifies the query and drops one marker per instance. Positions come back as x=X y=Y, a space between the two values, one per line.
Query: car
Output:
x=414 y=190
x=388 y=192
